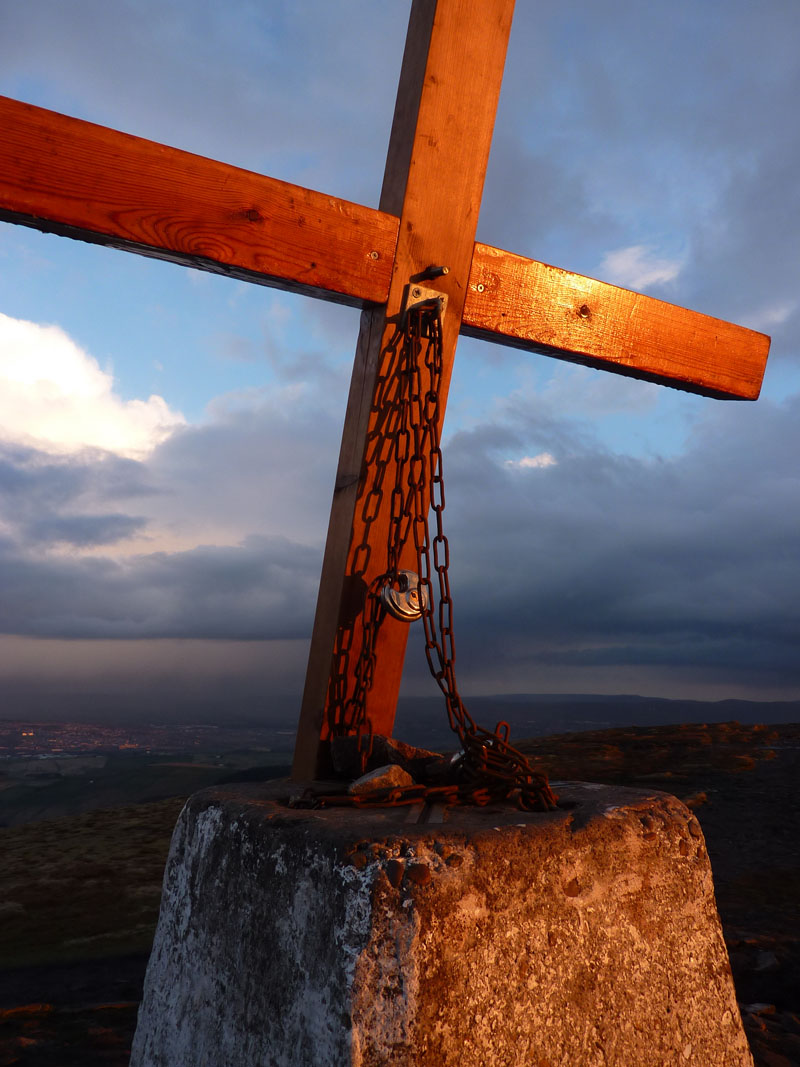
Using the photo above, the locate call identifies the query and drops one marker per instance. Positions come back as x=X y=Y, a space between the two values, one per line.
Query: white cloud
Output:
x=543 y=459
x=768 y=316
x=638 y=267
x=54 y=395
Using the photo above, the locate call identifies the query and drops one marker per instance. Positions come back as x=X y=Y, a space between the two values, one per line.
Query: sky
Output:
x=168 y=438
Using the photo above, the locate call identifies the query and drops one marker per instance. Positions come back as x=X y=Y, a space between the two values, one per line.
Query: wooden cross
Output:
x=65 y=176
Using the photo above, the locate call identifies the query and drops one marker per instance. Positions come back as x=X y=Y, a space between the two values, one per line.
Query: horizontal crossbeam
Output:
x=519 y=302
x=63 y=175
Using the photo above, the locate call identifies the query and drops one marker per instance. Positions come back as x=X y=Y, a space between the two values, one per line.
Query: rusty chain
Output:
x=406 y=432
x=347 y=713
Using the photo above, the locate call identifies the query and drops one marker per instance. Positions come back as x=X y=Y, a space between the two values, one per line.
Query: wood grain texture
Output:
x=66 y=176
x=517 y=301
x=448 y=120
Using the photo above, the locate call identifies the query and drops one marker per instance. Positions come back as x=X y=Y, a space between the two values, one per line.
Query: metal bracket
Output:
x=418 y=296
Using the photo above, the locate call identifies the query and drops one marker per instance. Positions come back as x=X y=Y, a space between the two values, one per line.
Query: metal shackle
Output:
x=408 y=601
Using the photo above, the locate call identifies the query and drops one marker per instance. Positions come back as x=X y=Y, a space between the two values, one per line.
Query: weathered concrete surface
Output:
x=582 y=938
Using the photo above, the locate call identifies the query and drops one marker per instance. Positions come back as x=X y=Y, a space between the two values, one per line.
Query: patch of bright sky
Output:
x=186 y=335
x=41 y=91
x=782 y=379
x=191 y=337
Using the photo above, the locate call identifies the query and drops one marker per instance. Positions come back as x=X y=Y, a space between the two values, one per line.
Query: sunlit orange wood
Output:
x=66 y=176
x=74 y=178
x=517 y=301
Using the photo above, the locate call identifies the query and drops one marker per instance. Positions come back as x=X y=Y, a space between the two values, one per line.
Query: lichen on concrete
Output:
x=255 y=949
x=585 y=938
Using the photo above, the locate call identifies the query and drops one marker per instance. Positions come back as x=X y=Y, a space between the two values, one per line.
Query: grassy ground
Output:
x=84 y=886
x=79 y=899
x=79 y=895
x=125 y=779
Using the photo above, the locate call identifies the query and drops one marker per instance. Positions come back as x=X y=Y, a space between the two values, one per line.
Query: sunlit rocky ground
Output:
x=79 y=895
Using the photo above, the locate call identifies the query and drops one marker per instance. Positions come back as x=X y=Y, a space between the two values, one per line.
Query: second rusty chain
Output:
x=488 y=767
x=488 y=760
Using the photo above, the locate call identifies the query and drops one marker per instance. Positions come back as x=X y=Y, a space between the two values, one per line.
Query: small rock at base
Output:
x=394 y=872
x=419 y=873
x=759 y=1009
x=346 y=755
x=389 y=777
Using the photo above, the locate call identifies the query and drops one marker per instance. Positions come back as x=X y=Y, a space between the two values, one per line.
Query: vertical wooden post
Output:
x=439 y=147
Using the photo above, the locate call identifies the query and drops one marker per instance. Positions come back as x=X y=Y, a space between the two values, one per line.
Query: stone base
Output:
x=587 y=937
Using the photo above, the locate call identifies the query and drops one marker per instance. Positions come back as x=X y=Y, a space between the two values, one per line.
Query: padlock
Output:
x=407 y=602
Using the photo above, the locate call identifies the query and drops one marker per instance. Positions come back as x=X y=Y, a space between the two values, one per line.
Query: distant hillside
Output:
x=423 y=721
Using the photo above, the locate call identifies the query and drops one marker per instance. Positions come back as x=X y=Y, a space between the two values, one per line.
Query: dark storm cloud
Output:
x=83 y=531
x=687 y=563
x=264 y=588
x=751 y=236
x=44 y=498
x=605 y=559
x=47 y=480
x=265 y=462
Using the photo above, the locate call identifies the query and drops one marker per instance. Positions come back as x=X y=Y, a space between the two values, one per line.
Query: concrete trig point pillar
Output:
x=585 y=937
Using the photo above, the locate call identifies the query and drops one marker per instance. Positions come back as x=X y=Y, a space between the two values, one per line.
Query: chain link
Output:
x=406 y=432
